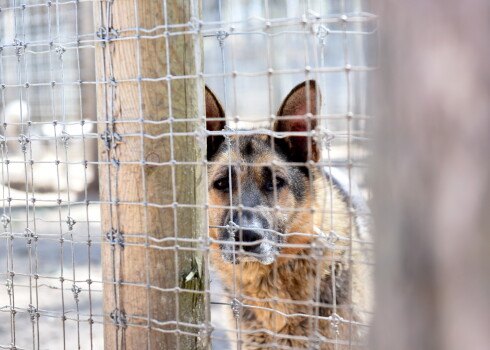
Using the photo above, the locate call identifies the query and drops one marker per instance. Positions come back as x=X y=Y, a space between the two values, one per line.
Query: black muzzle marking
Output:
x=251 y=237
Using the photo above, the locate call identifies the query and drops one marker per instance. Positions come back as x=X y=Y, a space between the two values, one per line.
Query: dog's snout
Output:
x=248 y=218
x=250 y=233
x=250 y=236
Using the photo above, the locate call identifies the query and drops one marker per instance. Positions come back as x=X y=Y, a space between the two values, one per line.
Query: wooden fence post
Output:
x=432 y=176
x=148 y=195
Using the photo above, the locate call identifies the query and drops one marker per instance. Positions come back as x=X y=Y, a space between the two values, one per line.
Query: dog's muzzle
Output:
x=250 y=239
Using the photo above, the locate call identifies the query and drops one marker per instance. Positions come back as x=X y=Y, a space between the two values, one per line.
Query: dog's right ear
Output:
x=303 y=99
x=215 y=121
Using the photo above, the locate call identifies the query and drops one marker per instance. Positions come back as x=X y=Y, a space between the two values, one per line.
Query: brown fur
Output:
x=301 y=277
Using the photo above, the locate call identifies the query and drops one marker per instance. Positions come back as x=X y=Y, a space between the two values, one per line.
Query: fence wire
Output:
x=254 y=53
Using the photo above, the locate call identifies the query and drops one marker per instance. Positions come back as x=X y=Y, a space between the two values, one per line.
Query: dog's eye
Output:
x=280 y=182
x=222 y=184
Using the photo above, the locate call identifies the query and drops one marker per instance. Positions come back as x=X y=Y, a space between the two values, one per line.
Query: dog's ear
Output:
x=303 y=99
x=215 y=121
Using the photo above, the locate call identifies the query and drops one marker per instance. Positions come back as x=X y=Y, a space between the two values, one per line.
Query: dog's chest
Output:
x=300 y=287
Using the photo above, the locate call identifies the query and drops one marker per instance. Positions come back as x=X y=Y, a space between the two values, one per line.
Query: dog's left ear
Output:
x=303 y=99
x=215 y=121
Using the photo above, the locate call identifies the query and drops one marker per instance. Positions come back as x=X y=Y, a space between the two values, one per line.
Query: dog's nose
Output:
x=250 y=236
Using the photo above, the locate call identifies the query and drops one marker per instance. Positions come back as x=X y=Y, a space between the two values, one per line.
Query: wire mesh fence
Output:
x=51 y=295
x=227 y=216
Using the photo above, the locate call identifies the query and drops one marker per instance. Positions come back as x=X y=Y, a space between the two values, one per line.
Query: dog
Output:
x=284 y=236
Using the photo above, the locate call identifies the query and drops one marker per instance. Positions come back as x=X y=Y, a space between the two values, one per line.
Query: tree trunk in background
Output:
x=431 y=176
x=156 y=197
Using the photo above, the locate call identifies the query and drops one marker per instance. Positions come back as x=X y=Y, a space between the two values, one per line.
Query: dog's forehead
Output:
x=247 y=149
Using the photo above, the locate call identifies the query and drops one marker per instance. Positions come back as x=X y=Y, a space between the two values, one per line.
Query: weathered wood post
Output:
x=432 y=176
x=151 y=172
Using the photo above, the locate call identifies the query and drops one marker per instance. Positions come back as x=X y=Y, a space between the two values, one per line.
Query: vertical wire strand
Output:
x=221 y=41
x=29 y=234
x=172 y=169
x=6 y=204
x=33 y=270
x=349 y=114
x=65 y=139
x=85 y=177
x=143 y=174
x=105 y=21
x=11 y=245
x=53 y=117
x=201 y=137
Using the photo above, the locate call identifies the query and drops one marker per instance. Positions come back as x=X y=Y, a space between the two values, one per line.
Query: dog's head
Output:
x=257 y=182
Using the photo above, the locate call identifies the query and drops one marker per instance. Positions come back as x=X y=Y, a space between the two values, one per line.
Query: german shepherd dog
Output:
x=284 y=236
